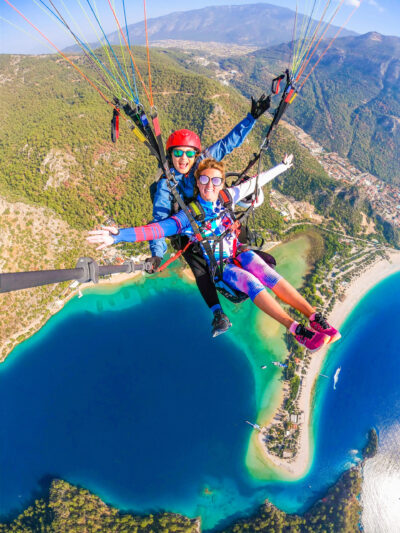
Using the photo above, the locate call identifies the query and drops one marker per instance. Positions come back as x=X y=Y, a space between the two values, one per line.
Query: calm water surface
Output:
x=124 y=392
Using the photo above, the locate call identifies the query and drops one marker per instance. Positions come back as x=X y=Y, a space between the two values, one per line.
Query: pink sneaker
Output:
x=318 y=323
x=312 y=340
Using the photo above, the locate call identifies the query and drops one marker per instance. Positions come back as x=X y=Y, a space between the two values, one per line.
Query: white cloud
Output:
x=375 y=4
x=357 y=3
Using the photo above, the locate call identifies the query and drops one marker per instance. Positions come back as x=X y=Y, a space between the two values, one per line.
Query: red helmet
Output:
x=183 y=138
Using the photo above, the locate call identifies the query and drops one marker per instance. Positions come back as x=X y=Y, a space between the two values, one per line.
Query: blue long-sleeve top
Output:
x=217 y=218
x=163 y=199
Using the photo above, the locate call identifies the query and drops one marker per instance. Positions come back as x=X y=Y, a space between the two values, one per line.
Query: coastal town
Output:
x=384 y=197
x=282 y=436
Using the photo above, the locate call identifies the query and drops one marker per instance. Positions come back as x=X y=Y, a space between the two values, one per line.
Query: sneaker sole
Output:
x=332 y=339
x=221 y=331
x=335 y=338
x=326 y=341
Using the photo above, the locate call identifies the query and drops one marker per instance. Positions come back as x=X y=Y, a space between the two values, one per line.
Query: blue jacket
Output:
x=163 y=199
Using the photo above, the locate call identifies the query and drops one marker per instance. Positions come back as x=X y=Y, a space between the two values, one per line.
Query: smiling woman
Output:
x=210 y=178
x=241 y=269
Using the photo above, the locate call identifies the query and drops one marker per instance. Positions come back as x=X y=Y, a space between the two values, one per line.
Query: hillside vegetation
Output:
x=58 y=162
x=351 y=105
x=72 y=509
x=54 y=130
x=33 y=238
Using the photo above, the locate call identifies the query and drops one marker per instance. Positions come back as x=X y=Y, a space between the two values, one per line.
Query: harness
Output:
x=197 y=211
x=217 y=267
x=193 y=210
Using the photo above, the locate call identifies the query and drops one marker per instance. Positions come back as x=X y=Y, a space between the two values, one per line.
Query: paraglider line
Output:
x=130 y=53
x=330 y=44
x=129 y=44
x=148 y=53
x=307 y=52
x=293 y=36
x=85 y=50
x=111 y=48
x=319 y=41
x=63 y=55
x=122 y=51
x=101 y=42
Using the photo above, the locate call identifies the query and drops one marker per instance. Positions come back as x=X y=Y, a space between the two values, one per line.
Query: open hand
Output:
x=288 y=160
x=104 y=236
x=260 y=106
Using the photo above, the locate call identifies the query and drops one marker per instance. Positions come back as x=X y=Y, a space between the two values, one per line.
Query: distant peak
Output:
x=374 y=36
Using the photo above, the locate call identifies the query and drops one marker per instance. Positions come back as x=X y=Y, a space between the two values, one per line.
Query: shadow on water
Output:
x=41 y=492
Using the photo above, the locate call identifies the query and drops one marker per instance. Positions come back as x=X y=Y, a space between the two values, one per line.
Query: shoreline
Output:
x=58 y=305
x=293 y=469
x=297 y=467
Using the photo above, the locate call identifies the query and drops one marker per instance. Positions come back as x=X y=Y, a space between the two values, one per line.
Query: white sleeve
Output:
x=248 y=187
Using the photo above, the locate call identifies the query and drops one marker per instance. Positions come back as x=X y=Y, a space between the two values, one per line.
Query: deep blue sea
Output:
x=126 y=394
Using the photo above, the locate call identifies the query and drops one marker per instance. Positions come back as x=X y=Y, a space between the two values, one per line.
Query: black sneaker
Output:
x=220 y=323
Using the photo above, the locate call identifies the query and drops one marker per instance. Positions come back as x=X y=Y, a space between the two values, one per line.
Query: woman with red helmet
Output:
x=182 y=147
x=184 y=153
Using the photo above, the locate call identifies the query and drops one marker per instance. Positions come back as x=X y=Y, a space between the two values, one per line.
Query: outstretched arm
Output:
x=165 y=228
x=246 y=188
x=162 y=208
x=232 y=140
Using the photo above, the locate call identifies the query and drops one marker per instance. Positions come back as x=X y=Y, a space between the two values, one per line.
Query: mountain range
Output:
x=351 y=104
x=258 y=25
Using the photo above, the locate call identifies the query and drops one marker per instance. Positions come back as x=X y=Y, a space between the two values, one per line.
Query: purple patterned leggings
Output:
x=253 y=275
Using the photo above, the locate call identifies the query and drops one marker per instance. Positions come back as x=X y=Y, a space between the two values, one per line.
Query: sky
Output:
x=382 y=16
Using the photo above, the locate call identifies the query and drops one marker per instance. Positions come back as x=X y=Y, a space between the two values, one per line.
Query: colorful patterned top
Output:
x=217 y=218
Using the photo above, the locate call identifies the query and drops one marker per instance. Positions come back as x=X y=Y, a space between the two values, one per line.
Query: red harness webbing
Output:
x=174 y=258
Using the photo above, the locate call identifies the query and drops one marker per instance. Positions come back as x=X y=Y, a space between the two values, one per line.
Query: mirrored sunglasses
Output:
x=216 y=180
x=188 y=153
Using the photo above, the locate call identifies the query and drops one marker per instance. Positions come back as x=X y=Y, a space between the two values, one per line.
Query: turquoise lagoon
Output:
x=123 y=392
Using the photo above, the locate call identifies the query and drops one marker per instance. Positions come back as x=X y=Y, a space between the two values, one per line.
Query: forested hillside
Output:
x=73 y=509
x=56 y=148
x=58 y=158
x=57 y=152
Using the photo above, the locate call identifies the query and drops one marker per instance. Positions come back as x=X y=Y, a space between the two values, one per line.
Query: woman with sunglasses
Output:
x=244 y=270
x=184 y=153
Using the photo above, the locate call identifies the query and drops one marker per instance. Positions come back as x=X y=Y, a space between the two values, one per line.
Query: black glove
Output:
x=152 y=263
x=260 y=106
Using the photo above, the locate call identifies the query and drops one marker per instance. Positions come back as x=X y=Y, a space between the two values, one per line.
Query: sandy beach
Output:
x=298 y=467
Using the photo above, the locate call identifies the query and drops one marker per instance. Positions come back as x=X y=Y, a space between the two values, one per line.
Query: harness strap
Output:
x=139 y=130
x=115 y=125
x=174 y=258
x=172 y=187
x=197 y=210
x=225 y=198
